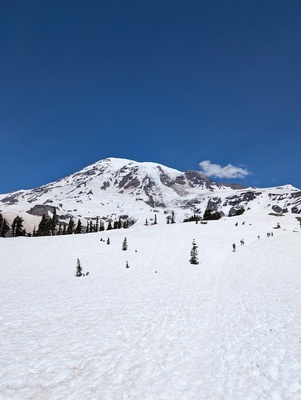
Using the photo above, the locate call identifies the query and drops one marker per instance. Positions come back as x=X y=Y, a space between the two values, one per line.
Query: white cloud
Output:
x=229 y=171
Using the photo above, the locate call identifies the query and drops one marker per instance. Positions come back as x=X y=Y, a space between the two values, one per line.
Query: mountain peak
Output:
x=117 y=186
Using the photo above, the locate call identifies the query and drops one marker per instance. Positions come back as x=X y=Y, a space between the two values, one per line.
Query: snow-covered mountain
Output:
x=113 y=188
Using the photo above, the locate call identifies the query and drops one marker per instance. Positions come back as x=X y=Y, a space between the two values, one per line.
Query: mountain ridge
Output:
x=116 y=186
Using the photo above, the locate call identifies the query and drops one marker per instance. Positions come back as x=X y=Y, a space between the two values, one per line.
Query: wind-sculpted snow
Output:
x=226 y=329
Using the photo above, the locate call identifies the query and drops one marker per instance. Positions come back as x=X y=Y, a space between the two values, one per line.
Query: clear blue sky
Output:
x=176 y=82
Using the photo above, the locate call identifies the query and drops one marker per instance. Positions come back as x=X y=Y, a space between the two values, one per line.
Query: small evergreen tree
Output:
x=194 y=253
x=70 y=227
x=109 y=226
x=78 y=228
x=79 y=269
x=4 y=226
x=17 y=227
x=172 y=219
x=124 y=245
x=44 y=228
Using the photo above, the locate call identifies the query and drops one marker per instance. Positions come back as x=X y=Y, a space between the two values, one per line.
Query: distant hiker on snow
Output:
x=242 y=242
x=233 y=247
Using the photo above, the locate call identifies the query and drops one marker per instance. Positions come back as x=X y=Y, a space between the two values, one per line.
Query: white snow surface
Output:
x=228 y=328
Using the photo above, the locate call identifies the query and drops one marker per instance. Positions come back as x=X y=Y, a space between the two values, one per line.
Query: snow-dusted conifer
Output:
x=194 y=253
x=124 y=244
x=79 y=269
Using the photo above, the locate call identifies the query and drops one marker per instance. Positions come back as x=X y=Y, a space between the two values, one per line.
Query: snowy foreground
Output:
x=228 y=328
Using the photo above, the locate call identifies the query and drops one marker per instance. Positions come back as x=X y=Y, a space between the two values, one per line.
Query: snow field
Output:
x=228 y=328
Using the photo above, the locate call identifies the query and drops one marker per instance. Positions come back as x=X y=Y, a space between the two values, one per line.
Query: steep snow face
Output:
x=114 y=186
x=226 y=329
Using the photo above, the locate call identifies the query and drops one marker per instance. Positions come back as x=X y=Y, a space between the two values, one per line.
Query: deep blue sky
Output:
x=170 y=81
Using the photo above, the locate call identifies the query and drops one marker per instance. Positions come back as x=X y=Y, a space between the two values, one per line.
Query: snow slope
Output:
x=228 y=328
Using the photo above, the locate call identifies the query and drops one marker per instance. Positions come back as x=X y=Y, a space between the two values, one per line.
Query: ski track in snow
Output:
x=228 y=328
